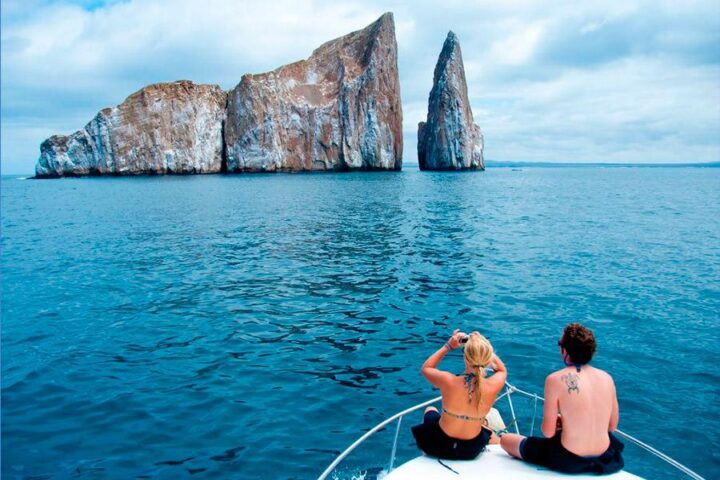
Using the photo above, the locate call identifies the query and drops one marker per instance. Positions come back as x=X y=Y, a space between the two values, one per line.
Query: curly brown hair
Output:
x=578 y=342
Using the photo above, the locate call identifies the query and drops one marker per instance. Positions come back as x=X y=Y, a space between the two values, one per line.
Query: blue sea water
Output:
x=253 y=326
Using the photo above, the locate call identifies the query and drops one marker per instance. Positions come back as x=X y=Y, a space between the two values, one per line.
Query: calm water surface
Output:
x=252 y=326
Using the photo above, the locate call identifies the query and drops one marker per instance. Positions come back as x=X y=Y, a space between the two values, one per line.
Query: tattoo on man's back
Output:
x=571 y=380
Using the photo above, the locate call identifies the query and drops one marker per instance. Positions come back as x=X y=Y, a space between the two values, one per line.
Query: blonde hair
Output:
x=478 y=354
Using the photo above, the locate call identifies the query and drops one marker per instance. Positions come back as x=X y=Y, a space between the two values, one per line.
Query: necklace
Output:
x=578 y=366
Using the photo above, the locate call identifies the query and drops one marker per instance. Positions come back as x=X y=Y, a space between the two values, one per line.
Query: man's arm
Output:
x=615 y=415
x=551 y=408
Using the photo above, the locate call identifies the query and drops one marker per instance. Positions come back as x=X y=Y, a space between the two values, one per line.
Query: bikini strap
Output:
x=463 y=417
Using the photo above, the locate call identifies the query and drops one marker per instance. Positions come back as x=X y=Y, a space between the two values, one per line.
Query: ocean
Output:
x=253 y=326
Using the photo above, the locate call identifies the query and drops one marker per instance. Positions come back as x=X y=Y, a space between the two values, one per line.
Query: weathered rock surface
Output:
x=338 y=110
x=163 y=128
x=450 y=139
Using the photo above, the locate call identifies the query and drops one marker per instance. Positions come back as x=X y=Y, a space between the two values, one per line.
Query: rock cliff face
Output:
x=338 y=110
x=450 y=139
x=163 y=128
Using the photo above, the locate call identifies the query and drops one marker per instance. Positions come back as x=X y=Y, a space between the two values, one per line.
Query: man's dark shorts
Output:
x=550 y=453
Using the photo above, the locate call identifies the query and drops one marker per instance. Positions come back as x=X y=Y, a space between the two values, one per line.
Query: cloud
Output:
x=590 y=81
x=518 y=46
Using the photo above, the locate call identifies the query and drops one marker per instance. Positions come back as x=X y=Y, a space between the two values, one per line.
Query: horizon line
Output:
x=526 y=163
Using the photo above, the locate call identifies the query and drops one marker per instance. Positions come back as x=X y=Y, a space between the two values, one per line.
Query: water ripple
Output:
x=207 y=327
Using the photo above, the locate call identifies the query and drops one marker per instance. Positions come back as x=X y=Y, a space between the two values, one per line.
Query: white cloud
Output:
x=518 y=46
x=564 y=81
x=637 y=110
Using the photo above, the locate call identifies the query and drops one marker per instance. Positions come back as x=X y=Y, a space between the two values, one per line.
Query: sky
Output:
x=563 y=81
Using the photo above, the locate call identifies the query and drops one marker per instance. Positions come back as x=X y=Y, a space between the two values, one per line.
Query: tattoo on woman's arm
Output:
x=571 y=380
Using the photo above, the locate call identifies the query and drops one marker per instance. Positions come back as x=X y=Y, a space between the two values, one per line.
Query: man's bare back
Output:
x=587 y=403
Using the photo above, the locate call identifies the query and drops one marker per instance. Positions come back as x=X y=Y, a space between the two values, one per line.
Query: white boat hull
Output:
x=492 y=463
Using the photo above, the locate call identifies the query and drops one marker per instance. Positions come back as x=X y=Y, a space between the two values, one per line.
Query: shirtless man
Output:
x=581 y=411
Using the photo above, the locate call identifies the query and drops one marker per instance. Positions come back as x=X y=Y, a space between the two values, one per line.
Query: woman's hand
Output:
x=454 y=341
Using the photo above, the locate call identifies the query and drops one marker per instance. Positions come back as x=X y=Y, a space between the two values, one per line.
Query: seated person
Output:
x=461 y=432
x=581 y=409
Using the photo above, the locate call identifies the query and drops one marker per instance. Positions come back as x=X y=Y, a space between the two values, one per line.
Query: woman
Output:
x=461 y=432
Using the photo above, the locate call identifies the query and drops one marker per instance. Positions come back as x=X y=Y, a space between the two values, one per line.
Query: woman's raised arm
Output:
x=429 y=369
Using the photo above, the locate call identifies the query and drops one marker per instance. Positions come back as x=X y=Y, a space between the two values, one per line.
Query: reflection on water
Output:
x=208 y=327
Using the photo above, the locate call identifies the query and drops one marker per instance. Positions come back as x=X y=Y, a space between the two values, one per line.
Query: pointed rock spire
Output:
x=450 y=139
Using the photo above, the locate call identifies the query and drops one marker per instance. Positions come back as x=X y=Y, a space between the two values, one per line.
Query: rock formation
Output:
x=450 y=139
x=338 y=110
x=163 y=128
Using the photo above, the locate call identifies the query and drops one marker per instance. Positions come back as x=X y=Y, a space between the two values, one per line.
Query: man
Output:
x=581 y=409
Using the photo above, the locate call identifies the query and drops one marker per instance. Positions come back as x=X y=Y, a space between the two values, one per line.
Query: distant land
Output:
x=505 y=164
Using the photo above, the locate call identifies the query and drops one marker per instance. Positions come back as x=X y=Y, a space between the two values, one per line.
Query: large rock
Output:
x=163 y=128
x=338 y=110
x=450 y=139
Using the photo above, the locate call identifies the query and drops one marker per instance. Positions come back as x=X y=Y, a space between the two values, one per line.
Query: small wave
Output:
x=372 y=473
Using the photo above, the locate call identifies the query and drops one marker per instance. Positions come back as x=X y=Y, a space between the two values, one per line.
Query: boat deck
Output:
x=492 y=463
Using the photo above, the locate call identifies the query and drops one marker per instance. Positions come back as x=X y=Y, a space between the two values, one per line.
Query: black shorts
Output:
x=550 y=453
x=432 y=440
